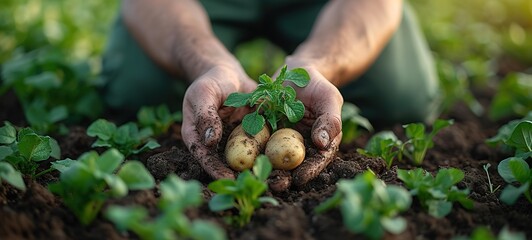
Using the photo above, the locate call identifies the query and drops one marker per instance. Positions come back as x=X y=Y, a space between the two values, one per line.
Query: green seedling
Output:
x=272 y=100
x=24 y=149
x=384 y=145
x=486 y=168
x=436 y=194
x=85 y=184
x=52 y=90
x=513 y=98
x=158 y=119
x=353 y=122
x=515 y=170
x=419 y=142
x=127 y=138
x=521 y=139
x=11 y=176
x=484 y=233
x=455 y=87
x=506 y=131
x=177 y=196
x=244 y=193
x=369 y=206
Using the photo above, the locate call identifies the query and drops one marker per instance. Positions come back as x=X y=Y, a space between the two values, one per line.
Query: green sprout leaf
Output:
x=127 y=138
x=82 y=183
x=11 y=176
x=274 y=102
x=436 y=194
x=177 y=195
x=369 y=206
x=244 y=193
x=521 y=137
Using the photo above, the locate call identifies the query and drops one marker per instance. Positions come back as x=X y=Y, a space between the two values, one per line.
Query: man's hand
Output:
x=322 y=121
x=204 y=115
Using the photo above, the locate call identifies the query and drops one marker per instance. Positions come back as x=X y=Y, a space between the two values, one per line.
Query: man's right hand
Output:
x=204 y=115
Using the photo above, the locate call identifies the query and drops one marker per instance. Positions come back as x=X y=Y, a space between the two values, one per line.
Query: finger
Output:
x=326 y=128
x=202 y=129
x=210 y=162
x=314 y=165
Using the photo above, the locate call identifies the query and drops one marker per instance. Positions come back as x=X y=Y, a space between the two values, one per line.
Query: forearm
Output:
x=347 y=37
x=177 y=34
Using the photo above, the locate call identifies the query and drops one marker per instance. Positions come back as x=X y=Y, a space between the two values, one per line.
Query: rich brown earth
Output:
x=38 y=214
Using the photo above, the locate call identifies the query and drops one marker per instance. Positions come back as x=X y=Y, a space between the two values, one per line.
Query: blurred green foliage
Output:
x=78 y=27
x=476 y=42
x=460 y=30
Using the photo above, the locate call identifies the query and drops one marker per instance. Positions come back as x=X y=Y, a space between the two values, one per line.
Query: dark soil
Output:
x=38 y=214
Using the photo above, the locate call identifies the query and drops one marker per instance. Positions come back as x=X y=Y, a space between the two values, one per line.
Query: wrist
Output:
x=202 y=56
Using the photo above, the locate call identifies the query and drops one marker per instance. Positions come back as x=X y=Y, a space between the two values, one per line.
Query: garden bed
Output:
x=38 y=214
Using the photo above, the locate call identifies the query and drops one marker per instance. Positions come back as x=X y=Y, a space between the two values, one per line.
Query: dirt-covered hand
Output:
x=322 y=122
x=204 y=115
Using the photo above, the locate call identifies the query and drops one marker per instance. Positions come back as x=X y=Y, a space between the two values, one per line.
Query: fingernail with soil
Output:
x=324 y=138
x=209 y=133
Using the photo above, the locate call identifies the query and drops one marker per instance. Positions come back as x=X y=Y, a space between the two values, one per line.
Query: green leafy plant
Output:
x=85 y=184
x=368 y=205
x=515 y=170
x=244 y=193
x=419 y=142
x=484 y=233
x=521 y=139
x=52 y=90
x=436 y=194
x=272 y=100
x=455 y=87
x=353 y=122
x=384 y=145
x=23 y=149
x=11 y=176
x=126 y=138
x=505 y=131
x=513 y=97
x=177 y=196
x=158 y=119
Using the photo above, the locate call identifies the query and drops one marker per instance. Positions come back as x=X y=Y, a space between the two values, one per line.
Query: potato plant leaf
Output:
x=8 y=133
x=82 y=183
x=273 y=101
x=436 y=194
x=177 y=195
x=298 y=76
x=253 y=123
x=521 y=137
x=136 y=176
x=237 y=99
x=243 y=193
x=11 y=176
x=127 y=138
x=368 y=205
x=24 y=148
x=514 y=169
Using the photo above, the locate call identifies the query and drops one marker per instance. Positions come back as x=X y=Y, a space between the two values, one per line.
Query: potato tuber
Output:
x=242 y=148
x=285 y=149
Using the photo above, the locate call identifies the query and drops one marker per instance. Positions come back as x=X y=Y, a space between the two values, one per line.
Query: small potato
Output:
x=261 y=137
x=285 y=149
x=242 y=149
x=241 y=152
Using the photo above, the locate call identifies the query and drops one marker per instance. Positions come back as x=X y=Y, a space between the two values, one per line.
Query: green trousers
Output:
x=400 y=87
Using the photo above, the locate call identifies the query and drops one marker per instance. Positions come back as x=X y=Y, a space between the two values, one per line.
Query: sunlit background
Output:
x=476 y=42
